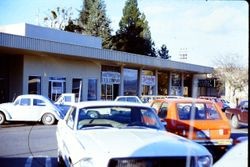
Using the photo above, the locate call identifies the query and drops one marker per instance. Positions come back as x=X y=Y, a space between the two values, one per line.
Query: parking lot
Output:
x=34 y=145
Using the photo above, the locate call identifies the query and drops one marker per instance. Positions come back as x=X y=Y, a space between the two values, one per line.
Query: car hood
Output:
x=136 y=143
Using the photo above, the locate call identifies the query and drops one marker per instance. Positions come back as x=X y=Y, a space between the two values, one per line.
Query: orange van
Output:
x=197 y=119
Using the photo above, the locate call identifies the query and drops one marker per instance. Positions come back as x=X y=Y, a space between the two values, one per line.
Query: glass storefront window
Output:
x=92 y=89
x=163 y=83
x=77 y=88
x=34 y=86
x=148 y=82
x=130 y=82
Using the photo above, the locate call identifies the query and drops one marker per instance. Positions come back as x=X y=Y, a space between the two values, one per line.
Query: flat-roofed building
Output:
x=50 y=62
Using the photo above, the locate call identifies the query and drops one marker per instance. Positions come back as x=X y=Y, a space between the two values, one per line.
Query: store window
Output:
x=57 y=86
x=92 y=89
x=34 y=86
x=77 y=88
x=148 y=82
x=176 y=84
x=130 y=82
x=163 y=83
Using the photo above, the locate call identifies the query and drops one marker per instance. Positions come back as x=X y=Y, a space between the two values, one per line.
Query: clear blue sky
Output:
x=205 y=30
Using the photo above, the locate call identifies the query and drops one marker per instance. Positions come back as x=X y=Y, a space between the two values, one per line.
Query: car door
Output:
x=244 y=112
x=22 y=109
x=70 y=144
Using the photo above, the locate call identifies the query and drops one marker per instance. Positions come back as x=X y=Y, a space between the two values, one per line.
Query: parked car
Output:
x=197 y=119
x=238 y=115
x=30 y=108
x=67 y=99
x=123 y=134
x=149 y=98
x=236 y=156
x=134 y=99
x=224 y=104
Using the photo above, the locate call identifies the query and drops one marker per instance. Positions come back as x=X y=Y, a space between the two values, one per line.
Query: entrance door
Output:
x=107 y=92
x=56 y=88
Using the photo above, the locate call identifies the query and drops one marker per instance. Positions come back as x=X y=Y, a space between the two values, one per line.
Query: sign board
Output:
x=148 y=80
x=109 y=77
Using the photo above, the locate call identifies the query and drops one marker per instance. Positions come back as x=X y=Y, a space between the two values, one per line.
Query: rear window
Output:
x=197 y=111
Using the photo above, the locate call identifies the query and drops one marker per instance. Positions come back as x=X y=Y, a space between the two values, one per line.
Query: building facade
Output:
x=39 y=60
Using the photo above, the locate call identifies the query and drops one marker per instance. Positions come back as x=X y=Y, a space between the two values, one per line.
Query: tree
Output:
x=94 y=21
x=133 y=35
x=58 y=18
x=163 y=52
x=231 y=75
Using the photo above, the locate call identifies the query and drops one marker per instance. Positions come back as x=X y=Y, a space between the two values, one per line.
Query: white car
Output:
x=30 y=108
x=123 y=134
x=236 y=156
x=134 y=99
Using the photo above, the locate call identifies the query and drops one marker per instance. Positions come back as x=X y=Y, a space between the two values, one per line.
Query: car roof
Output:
x=108 y=103
x=185 y=99
x=33 y=96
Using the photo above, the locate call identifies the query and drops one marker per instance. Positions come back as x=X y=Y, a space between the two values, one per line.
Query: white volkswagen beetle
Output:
x=110 y=134
x=30 y=108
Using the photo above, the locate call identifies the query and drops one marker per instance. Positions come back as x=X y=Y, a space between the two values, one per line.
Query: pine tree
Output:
x=94 y=21
x=134 y=35
x=163 y=52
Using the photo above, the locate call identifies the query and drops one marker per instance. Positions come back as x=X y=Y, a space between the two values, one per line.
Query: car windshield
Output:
x=118 y=117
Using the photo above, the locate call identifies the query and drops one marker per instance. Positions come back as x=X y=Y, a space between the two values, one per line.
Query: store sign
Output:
x=148 y=80
x=109 y=77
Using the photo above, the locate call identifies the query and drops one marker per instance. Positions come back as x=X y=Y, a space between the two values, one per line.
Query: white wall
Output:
x=38 y=32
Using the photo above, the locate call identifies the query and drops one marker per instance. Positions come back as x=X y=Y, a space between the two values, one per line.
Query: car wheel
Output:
x=2 y=118
x=48 y=119
x=235 y=122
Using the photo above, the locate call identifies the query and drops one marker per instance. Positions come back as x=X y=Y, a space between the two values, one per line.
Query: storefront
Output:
x=72 y=63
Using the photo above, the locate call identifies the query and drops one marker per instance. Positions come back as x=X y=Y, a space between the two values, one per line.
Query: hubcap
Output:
x=48 y=119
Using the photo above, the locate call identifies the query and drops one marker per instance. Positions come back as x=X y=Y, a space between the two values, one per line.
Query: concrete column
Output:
x=170 y=83
x=156 y=83
x=45 y=85
x=68 y=84
x=85 y=89
x=121 y=87
x=140 y=73
x=195 y=85
x=182 y=84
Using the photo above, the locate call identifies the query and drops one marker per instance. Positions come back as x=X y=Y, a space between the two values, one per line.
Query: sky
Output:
x=205 y=30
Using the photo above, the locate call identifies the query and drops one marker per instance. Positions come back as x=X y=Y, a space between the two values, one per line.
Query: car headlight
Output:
x=204 y=161
x=85 y=162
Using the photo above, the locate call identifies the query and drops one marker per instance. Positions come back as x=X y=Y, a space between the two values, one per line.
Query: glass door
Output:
x=107 y=92
x=56 y=88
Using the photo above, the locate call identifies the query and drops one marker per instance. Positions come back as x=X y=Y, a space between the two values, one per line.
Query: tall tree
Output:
x=163 y=52
x=133 y=35
x=94 y=21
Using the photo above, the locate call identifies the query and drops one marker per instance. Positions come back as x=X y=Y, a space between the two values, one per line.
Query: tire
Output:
x=2 y=118
x=48 y=119
x=235 y=122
